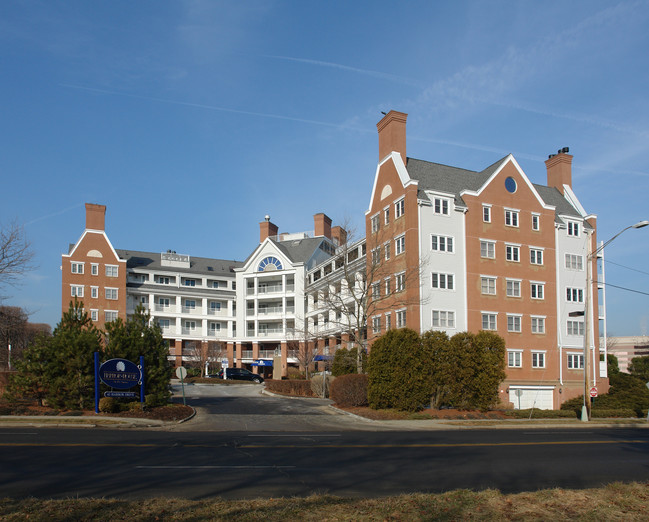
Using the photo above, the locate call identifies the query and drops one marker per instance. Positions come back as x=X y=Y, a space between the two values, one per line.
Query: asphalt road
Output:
x=199 y=463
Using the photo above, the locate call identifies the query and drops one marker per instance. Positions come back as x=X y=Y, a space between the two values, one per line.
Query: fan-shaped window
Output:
x=269 y=263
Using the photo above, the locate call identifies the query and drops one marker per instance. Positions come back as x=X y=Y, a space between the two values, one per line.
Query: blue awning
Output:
x=262 y=362
x=323 y=357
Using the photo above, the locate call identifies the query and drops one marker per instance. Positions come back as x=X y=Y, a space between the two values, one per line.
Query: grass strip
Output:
x=614 y=502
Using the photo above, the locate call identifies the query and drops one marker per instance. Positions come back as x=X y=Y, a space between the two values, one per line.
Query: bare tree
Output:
x=202 y=356
x=16 y=334
x=362 y=283
x=15 y=254
x=303 y=346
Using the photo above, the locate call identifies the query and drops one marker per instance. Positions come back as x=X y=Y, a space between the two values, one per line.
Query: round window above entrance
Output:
x=269 y=263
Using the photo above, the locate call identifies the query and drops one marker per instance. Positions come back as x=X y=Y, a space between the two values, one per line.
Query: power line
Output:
x=627 y=267
x=627 y=289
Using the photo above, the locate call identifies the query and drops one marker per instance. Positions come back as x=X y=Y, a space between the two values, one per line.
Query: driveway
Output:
x=245 y=407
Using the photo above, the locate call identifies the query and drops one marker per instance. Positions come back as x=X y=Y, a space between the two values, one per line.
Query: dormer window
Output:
x=441 y=206
x=573 y=228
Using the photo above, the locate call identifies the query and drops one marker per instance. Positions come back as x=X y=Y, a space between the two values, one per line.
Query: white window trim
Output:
x=396 y=202
x=442 y=200
x=445 y=327
x=446 y=238
x=490 y=241
x=116 y=267
x=543 y=317
x=486 y=206
x=375 y=219
x=396 y=244
x=94 y=311
x=386 y=215
x=580 y=367
x=511 y=280
x=397 y=314
x=518 y=217
x=513 y=245
x=520 y=316
x=538 y=283
x=539 y=352
x=94 y=269
x=520 y=359
x=490 y=277
x=446 y=274
x=78 y=263
x=538 y=220
x=486 y=312
x=110 y=298
x=541 y=249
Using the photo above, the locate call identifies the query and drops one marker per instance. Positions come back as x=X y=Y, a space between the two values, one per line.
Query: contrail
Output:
x=58 y=213
x=212 y=107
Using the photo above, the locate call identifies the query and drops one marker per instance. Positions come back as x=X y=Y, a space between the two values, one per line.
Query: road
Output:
x=201 y=463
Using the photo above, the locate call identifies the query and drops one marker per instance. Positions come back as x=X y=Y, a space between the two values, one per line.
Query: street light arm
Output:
x=639 y=224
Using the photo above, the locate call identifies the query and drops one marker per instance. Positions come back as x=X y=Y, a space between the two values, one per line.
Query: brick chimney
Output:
x=339 y=235
x=559 y=167
x=95 y=216
x=322 y=225
x=392 y=134
x=267 y=229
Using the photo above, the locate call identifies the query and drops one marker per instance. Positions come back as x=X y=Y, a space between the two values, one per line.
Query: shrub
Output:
x=134 y=406
x=151 y=401
x=296 y=388
x=399 y=372
x=345 y=361
x=316 y=385
x=624 y=413
x=108 y=405
x=294 y=374
x=541 y=414
x=350 y=390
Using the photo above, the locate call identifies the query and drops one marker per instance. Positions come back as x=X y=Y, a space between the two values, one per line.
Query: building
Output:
x=489 y=250
x=445 y=248
x=626 y=348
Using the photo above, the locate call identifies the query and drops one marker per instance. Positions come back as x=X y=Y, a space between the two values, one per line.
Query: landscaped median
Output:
x=617 y=501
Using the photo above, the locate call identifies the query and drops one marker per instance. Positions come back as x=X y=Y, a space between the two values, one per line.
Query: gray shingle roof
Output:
x=453 y=180
x=200 y=265
x=299 y=250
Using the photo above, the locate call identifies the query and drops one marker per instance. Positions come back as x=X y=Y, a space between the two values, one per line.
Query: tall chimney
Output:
x=392 y=134
x=322 y=225
x=559 y=167
x=267 y=229
x=339 y=235
x=95 y=216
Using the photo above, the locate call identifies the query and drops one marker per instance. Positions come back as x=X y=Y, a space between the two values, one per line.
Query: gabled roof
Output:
x=299 y=250
x=451 y=180
x=198 y=265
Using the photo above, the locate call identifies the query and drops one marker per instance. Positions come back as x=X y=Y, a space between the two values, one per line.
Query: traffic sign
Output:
x=181 y=372
x=593 y=392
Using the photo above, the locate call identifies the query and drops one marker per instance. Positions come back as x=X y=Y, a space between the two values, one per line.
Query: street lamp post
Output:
x=585 y=411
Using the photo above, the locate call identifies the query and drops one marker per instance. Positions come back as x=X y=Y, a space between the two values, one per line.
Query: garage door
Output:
x=524 y=397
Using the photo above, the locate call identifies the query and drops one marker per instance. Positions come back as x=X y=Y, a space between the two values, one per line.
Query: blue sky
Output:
x=192 y=120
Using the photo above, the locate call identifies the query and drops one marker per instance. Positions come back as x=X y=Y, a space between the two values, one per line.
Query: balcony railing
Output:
x=271 y=310
x=269 y=331
x=214 y=333
x=246 y=354
x=269 y=289
x=266 y=354
x=216 y=311
x=165 y=308
x=191 y=310
x=169 y=330
x=190 y=331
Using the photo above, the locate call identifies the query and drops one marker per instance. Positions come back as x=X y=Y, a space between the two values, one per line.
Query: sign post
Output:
x=181 y=373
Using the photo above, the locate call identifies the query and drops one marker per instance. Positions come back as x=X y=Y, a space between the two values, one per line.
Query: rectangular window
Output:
x=399 y=208
x=76 y=268
x=110 y=315
x=486 y=214
x=574 y=295
x=538 y=359
x=386 y=247
x=94 y=315
x=376 y=291
x=111 y=270
x=574 y=262
x=94 y=292
x=536 y=256
x=376 y=325
x=443 y=319
x=388 y=321
x=190 y=325
x=374 y=223
x=111 y=293
x=514 y=358
x=94 y=269
x=441 y=206
x=512 y=253
x=401 y=318
x=215 y=327
x=575 y=328
x=386 y=215
x=573 y=229
x=513 y=323
x=488 y=285
x=442 y=281
x=513 y=288
x=536 y=290
x=511 y=218
x=162 y=280
x=387 y=286
x=189 y=282
x=575 y=361
x=538 y=325
x=488 y=321
x=163 y=302
x=376 y=256
x=488 y=249
x=536 y=222
x=76 y=290
x=441 y=243
x=400 y=282
x=163 y=323
x=400 y=245
x=190 y=303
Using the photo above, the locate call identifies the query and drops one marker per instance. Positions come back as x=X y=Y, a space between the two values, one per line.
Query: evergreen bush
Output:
x=350 y=390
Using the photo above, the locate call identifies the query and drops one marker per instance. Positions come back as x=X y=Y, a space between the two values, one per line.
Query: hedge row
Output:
x=350 y=390
x=299 y=388
x=623 y=413
x=541 y=414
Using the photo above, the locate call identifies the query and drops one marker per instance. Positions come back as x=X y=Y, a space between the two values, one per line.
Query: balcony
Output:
x=266 y=354
x=190 y=331
x=194 y=310
x=214 y=333
x=217 y=311
x=271 y=310
x=246 y=354
x=266 y=332
x=270 y=289
x=165 y=308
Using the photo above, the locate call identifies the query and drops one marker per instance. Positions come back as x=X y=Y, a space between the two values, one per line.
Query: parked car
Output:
x=240 y=374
